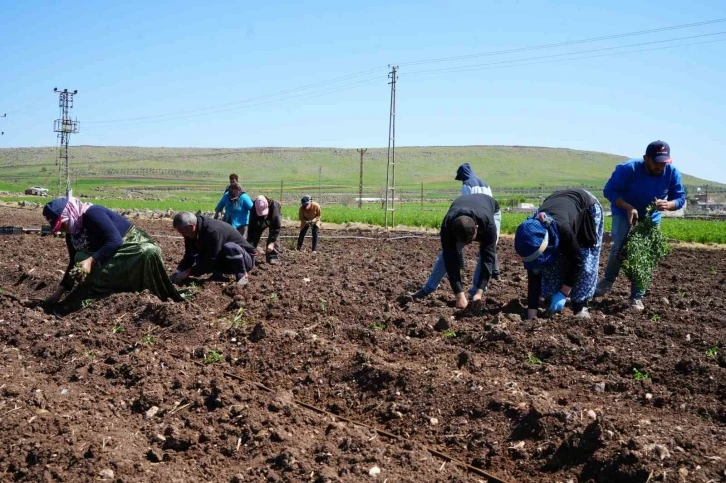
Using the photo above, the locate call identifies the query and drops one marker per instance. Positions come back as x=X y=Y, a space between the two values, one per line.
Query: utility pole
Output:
x=391 y=158
x=360 y=183
x=320 y=182
x=65 y=127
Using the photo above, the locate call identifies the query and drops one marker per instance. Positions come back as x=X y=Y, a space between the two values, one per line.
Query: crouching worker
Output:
x=266 y=214
x=114 y=255
x=212 y=246
x=470 y=218
x=560 y=247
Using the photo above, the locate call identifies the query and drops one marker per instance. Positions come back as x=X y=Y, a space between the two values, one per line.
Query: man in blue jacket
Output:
x=633 y=186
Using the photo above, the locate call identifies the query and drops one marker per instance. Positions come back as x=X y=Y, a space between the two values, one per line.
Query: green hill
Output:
x=128 y=167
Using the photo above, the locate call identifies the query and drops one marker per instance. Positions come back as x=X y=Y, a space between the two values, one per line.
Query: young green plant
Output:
x=213 y=356
x=645 y=247
x=640 y=376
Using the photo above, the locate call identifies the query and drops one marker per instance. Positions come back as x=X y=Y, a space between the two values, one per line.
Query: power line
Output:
x=215 y=108
x=552 y=59
x=561 y=44
x=306 y=95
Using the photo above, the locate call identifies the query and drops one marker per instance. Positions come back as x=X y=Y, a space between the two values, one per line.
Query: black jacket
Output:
x=200 y=253
x=576 y=230
x=257 y=224
x=481 y=207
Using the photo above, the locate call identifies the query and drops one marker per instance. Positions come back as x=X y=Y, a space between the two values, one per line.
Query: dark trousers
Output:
x=243 y=230
x=234 y=259
x=303 y=232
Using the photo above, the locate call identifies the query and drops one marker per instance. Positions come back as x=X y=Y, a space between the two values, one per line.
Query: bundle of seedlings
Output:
x=644 y=249
x=78 y=276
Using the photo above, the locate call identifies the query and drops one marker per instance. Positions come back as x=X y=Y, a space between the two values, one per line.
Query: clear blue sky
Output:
x=140 y=59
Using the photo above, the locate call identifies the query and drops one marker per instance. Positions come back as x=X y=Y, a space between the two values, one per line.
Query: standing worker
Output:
x=233 y=178
x=470 y=184
x=267 y=214
x=309 y=214
x=236 y=205
x=633 y=186
x=560 y=247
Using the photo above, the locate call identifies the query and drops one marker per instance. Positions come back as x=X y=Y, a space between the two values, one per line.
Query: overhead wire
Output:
x=558 y=57
x=305 y=95
x=244 y=101
x=560 y=44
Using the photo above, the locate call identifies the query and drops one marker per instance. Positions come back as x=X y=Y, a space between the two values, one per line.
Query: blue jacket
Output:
x=633 y=183
x=470 y=183
x=236 y=214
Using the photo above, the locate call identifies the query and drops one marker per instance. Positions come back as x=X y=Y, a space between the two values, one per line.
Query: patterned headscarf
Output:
x=62 y=210
x=536 y=240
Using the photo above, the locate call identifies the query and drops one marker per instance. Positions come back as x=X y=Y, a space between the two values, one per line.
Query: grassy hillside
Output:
x=129 y=167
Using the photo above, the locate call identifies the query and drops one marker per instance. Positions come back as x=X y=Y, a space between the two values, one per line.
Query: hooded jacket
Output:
x=470 y=184
x=481 y=208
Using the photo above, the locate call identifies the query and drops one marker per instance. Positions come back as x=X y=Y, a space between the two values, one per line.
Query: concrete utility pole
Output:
x=360 y=183
x=391 y=165
x=65 y=127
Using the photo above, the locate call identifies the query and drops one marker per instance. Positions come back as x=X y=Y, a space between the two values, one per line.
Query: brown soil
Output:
x=77 y=397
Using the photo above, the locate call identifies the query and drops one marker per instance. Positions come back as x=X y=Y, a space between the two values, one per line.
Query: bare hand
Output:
x=662 y=205
x=632 y=216
x=87 y=264
x=461 y=302
x=270 y=248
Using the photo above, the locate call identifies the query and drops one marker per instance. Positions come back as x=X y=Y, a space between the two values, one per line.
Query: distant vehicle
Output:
x=36 y=191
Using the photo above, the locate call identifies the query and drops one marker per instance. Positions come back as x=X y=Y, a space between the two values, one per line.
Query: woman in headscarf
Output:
x=107 y=251
x=560 y=247
x=237 y=206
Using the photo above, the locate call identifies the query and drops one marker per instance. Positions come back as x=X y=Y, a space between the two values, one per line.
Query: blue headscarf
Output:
x=537 y=240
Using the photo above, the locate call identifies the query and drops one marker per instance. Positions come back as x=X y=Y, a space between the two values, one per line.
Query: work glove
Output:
x=557 y=303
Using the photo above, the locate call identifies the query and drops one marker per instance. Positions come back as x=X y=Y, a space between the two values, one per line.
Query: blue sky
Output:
x=177 y=74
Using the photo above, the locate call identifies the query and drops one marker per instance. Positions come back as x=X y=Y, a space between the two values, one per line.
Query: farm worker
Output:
x=470 y=218
x=309 y=215
x=470 y=184
x=633 y=186
x=116 y=255
x=233 y=178
x=236 y=205
x=212 y=246
x=560 y=247
x=267 y=214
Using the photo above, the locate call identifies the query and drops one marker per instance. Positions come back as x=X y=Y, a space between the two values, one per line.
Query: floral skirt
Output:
x=584 y=289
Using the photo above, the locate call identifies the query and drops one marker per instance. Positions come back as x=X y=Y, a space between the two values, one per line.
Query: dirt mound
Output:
x=220 y=388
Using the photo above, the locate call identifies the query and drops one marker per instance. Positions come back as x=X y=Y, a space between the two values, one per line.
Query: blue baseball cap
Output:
x=659 y=151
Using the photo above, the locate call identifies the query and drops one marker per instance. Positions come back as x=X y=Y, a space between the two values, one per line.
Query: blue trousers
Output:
x=619 y=232
x=439 y=271
x=234 y=259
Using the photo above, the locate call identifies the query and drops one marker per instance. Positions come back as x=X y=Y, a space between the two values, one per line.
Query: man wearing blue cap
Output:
x=633 y=186
x=560 y=247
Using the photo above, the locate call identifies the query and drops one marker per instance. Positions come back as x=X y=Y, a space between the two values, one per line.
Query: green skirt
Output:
x=136 y=266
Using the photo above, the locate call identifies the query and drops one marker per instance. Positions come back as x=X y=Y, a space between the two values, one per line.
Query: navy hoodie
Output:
x=470 y=183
